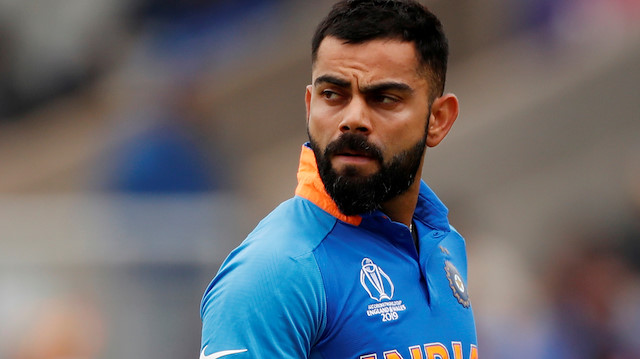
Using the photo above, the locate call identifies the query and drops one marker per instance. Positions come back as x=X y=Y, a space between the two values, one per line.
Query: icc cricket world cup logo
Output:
x=374 y=276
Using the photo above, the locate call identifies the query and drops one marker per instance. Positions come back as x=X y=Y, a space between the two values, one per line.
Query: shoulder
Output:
x=294 y=228
x=282 y=243
x=271 y=286
x=453 y=237
x=277 y=256
x=456 y=247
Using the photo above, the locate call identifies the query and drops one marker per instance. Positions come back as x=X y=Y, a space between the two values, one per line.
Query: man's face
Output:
x=367 y=111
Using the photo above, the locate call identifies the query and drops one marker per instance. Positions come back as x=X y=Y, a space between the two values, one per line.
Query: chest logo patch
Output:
x=380 y=288
x=373 y=277
x=457 y=284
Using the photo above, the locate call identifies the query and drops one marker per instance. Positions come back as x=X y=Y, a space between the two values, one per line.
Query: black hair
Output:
x=358 y=21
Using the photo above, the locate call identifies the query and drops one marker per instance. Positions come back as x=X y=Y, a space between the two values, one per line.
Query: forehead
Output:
x=371 y=61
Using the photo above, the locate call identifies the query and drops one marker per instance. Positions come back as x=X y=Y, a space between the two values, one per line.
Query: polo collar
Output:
x=310 y=186
x=429 y=209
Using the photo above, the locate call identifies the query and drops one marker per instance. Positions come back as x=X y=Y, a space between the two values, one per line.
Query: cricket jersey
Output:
x=310 y=282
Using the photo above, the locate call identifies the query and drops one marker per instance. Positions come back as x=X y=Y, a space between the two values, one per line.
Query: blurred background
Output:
x=141 y=140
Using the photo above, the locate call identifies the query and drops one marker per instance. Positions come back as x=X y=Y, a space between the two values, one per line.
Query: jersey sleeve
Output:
x=263 y=304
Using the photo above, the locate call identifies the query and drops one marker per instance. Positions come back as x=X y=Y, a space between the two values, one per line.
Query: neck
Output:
x=401 y=208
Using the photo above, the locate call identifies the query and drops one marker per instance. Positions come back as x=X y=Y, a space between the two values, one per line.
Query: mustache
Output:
x=353 y=142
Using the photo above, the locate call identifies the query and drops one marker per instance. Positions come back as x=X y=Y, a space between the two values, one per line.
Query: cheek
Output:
x=317 y=133
x=402 y=136
x=401 y=131
x=313 y=128
x=321 y=125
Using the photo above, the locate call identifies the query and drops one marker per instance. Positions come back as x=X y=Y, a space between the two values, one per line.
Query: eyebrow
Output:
x=331 y=80
x=379 y=87
x=386 y=86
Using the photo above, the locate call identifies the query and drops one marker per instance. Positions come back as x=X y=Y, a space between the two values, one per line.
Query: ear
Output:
x=307 y=100
x=444 y=112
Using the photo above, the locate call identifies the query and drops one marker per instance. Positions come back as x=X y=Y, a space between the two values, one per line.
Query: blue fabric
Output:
x=307 y=285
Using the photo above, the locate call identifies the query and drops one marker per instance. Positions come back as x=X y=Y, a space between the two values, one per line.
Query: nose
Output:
x=356 y=117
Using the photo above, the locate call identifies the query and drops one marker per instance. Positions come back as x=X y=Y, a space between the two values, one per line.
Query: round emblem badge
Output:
x=457 y=284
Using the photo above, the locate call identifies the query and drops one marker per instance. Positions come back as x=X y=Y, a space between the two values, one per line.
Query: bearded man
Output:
x=362 y=263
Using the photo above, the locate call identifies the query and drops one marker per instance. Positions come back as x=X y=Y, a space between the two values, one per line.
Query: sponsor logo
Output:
x=220 y=354
x=428 y=351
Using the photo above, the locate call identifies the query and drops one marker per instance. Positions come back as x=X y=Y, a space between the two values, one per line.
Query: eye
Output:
x=388 y=99
x=330 y=95
x=384 y=99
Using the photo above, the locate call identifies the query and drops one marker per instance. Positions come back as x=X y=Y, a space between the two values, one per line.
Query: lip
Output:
x=353 y=157
x=353 y=153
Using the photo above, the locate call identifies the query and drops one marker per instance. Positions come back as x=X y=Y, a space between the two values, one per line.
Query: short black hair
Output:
x=359 y=21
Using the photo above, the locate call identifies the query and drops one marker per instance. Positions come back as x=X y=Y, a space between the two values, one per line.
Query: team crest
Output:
x=375 y=281
x=457 y=284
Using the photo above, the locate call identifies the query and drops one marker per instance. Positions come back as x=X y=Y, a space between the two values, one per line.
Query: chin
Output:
x=355 y=173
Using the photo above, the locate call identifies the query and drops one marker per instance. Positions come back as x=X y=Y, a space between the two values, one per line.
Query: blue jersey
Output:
x=310 y=282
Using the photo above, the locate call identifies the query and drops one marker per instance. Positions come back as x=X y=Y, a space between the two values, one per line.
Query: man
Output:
x=362 y=262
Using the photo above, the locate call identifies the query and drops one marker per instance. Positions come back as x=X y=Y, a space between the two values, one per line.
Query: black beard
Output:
x=357 y=194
